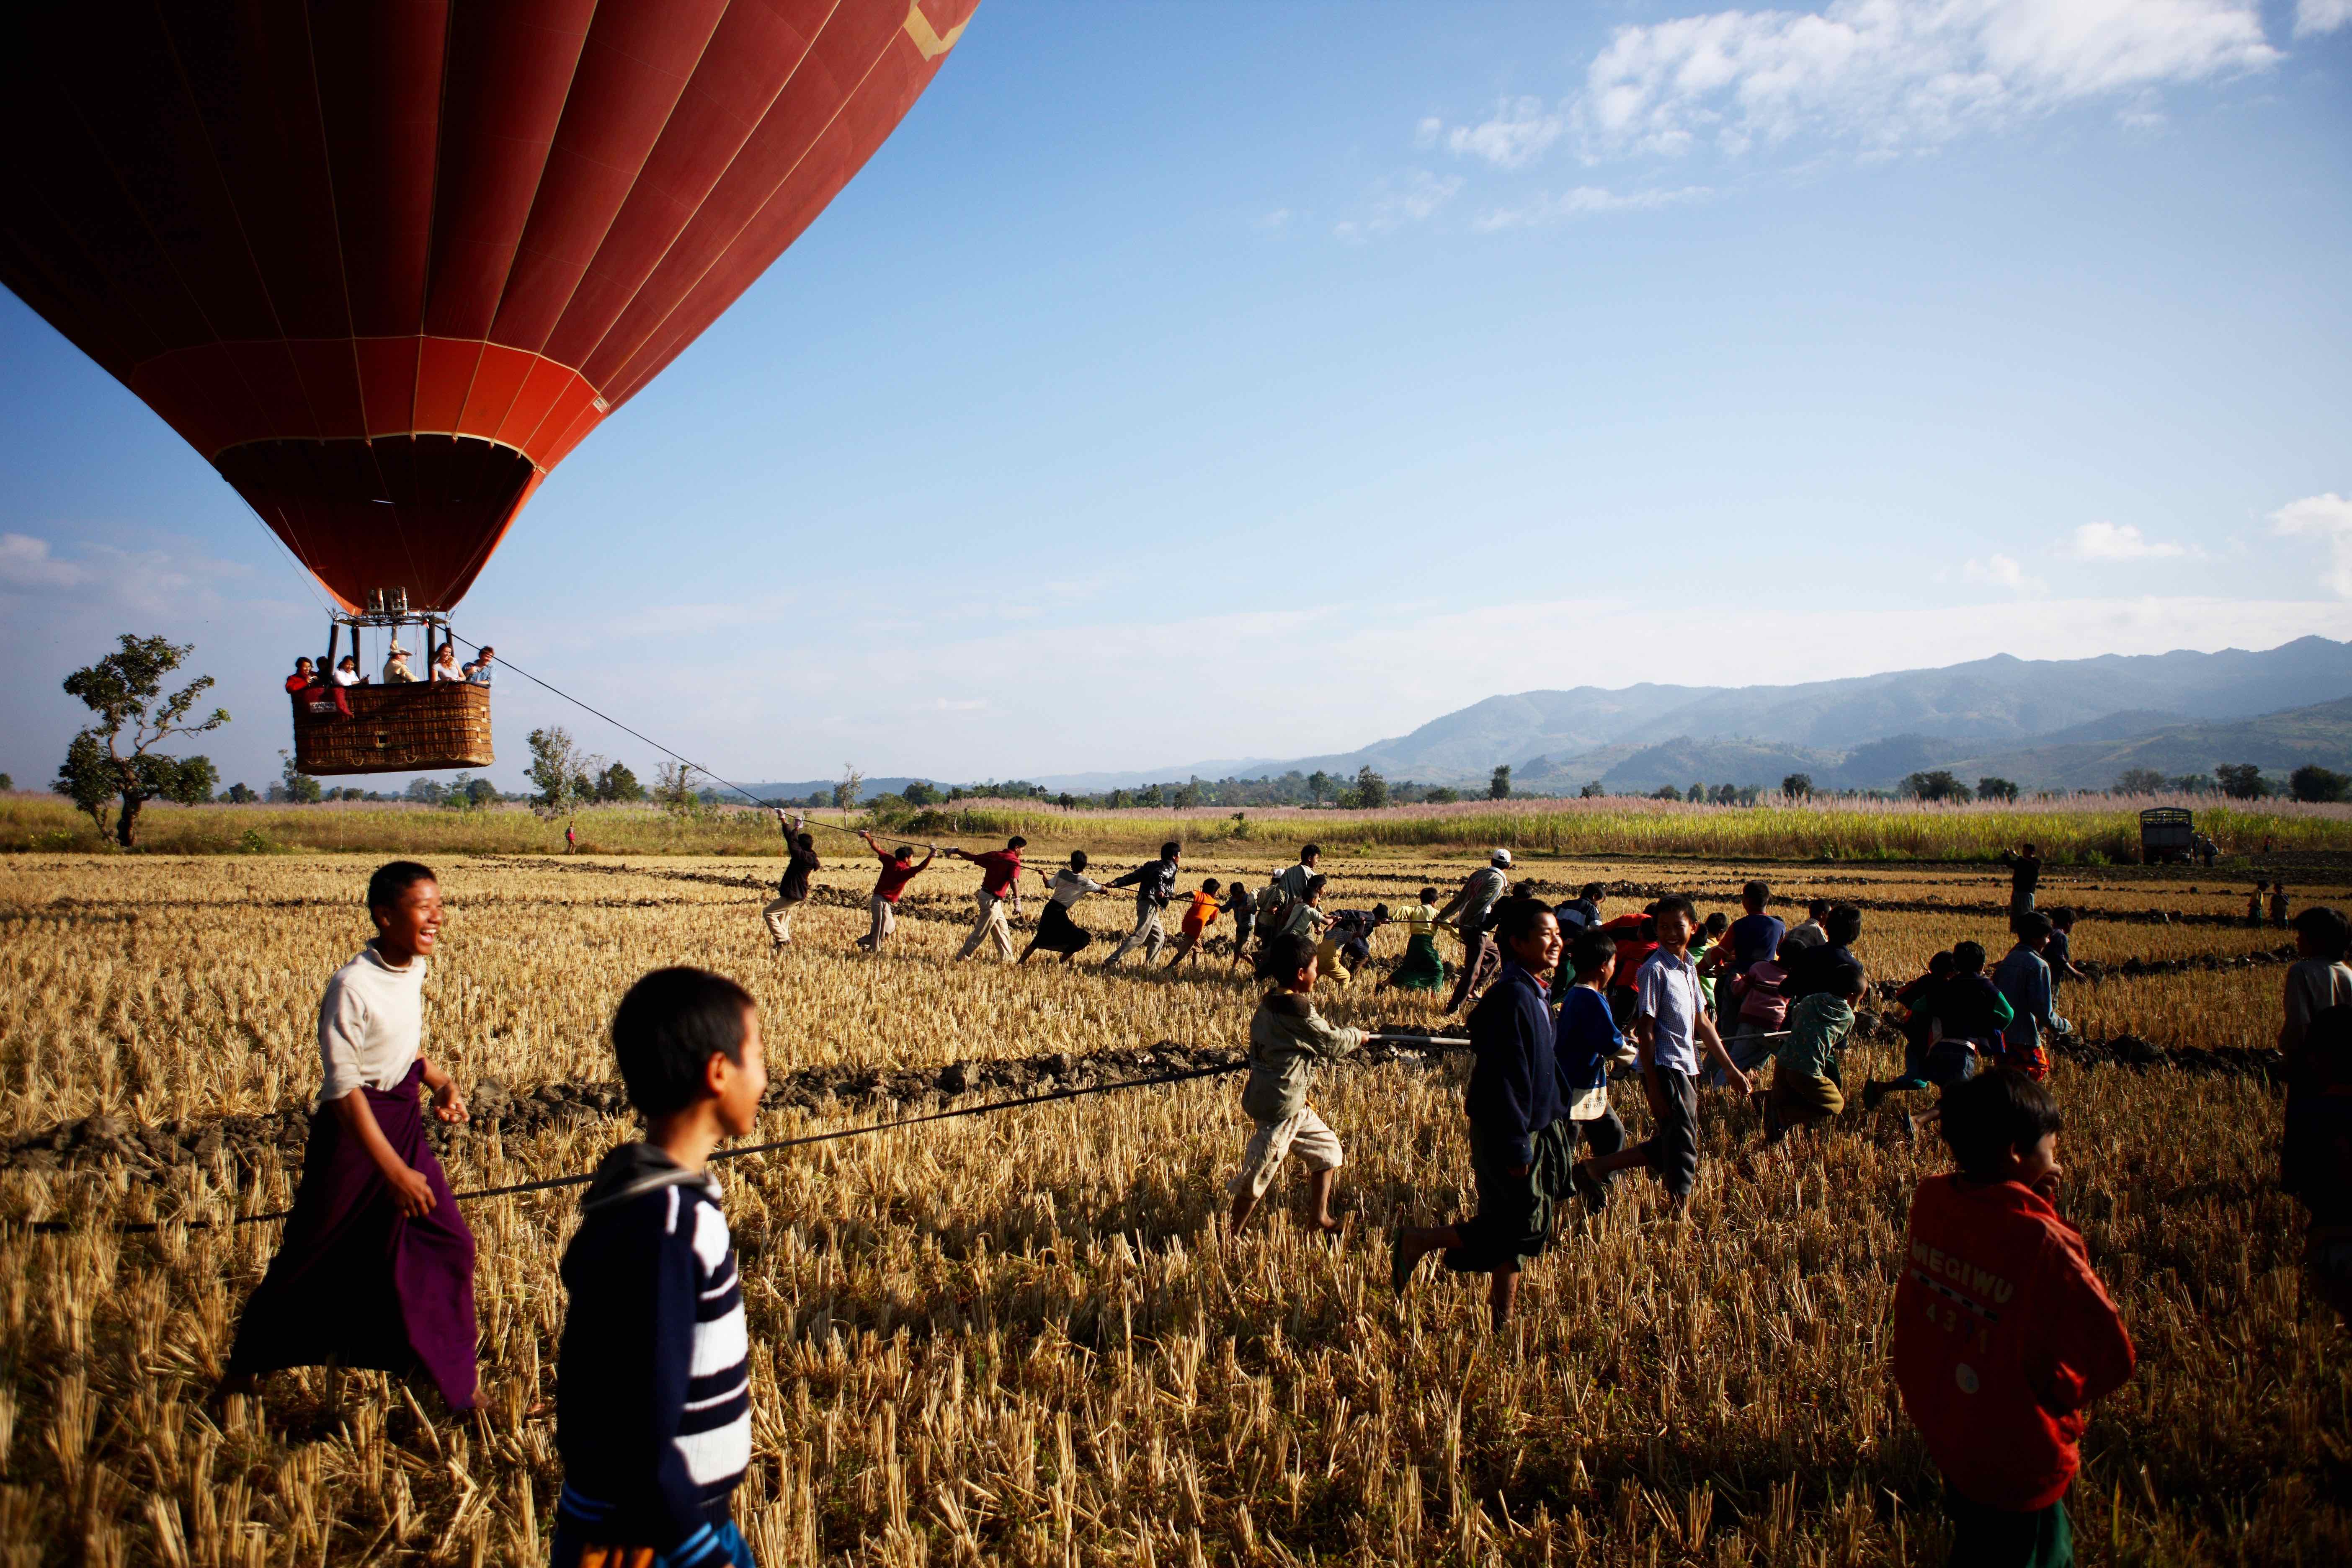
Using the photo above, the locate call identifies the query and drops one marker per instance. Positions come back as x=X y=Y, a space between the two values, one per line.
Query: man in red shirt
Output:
x=2003 y=1335
x=899 y=869
x=1000 y=882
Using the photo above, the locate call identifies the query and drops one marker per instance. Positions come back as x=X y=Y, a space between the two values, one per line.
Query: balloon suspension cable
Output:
x=683 y=761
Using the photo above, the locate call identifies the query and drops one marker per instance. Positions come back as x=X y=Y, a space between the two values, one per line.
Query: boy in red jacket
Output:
x=2003 y=1334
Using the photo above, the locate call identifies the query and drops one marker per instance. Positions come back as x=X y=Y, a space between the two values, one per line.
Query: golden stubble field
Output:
x=1027 y=1338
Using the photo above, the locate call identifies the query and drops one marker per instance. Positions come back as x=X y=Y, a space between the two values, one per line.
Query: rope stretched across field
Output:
x=554 y=1184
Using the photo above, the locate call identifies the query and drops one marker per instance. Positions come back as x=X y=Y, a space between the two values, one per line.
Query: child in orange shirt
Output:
x=1198 y=919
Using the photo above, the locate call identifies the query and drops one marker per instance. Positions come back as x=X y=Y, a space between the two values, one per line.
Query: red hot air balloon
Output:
x=386 y=262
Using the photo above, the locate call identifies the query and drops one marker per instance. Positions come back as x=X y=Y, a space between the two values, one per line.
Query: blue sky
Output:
x=1193 y=380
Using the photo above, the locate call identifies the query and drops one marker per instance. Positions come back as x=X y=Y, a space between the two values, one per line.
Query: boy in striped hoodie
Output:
x=653 y=1393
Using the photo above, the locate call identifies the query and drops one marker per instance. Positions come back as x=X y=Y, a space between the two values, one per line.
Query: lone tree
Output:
x=1371 y=790
x=1498 y=787
x=2312 y=781
x=113 y=762
x=1321 y=784
x=2139 y=781
x=1995 y=788
x=2242 y=781
x=1937 y=785
x=1798 y=787
x=565 y=775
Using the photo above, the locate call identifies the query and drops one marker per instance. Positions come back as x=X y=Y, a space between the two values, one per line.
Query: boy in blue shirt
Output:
x=1519 y=1150
x=1586 y=1043
x=653 y=1393
x=2023 y=980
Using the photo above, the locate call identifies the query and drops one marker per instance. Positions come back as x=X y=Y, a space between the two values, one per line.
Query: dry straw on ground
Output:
x=1027 y=1338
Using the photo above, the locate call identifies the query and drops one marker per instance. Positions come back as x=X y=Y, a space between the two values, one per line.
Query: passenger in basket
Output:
x=307 y=677
x=478 y=672
x=444 y=664
x=347 y=673
x=395 y=668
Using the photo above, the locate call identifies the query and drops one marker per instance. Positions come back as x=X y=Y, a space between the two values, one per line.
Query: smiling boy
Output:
x=376 y=1268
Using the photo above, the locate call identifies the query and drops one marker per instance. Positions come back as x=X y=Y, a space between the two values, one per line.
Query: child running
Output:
x=376 y=1268
x=792 y=888
x=1421 y=968
x=1347 y=944
x=1199 y=916
x=1805 y=1069
x=1670 y=1030
x=2003 y=1335
x=1242 y=909
x=1000 y=884
x=653 y=1392
x=1288 y=1036
x=1521 y=1149
x=899 y=869
x=1587 y=1042
x=1056 y=931
x=2024 y=981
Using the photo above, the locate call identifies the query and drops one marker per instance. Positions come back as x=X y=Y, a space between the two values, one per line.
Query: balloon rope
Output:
x=657 y=746
x=649 y=740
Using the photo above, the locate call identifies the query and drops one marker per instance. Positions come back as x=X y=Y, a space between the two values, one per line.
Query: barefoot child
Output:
x=1587 y=1044
x=1421 y=968
x=2003 y=1336
x=1199 y=916
x=1804 y=1069
x=1288 y=1036
x=1670 y=1030
x=376 y=1266
x=1056 y=932
x=899 y=869
x=792 y=888
x=1000 y=884
x=2024 y=981
x=1520 y=1148
x=653 y=1393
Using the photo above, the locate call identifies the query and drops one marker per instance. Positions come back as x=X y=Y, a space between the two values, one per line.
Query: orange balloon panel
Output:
x=385 y=264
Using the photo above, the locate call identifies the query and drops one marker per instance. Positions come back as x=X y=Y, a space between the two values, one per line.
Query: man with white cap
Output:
x=395 y=666
x=1481 y=959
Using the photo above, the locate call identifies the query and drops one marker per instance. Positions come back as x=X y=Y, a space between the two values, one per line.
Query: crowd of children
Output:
x=2003 y=1334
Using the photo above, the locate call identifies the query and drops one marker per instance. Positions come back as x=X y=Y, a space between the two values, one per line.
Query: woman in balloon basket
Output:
x=376 y=1266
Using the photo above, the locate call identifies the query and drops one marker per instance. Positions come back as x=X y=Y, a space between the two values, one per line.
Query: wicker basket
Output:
x=393 y=729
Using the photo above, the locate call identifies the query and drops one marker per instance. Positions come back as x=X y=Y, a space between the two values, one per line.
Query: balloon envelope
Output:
x=386 y=262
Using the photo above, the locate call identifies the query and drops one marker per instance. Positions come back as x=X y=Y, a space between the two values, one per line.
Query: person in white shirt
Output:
x=1056 y=932
x=444 y=664
x=376 y=1268
x=1671 y=1027
x=347 y=672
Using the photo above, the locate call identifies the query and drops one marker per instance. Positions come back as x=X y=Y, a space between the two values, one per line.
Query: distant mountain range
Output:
x=2043 y=724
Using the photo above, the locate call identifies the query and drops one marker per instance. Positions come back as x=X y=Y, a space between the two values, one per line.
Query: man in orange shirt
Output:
x=1198 y=919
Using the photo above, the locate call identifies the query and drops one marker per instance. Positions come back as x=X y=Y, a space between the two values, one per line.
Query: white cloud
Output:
x=2327 y=517
x=26 y=563
x=1887 y=76
x=1516 y=133
x=2003 y=571
x=1582 y=202
x=1276 y=220
x=1415 y=197
x=2112 y=542
x=2316 y=16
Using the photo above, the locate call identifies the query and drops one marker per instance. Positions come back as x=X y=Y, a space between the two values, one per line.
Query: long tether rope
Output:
x=682 y=760
x=552 y=1183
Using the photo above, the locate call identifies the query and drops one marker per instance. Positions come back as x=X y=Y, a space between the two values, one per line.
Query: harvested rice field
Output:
x=1029 y=1337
